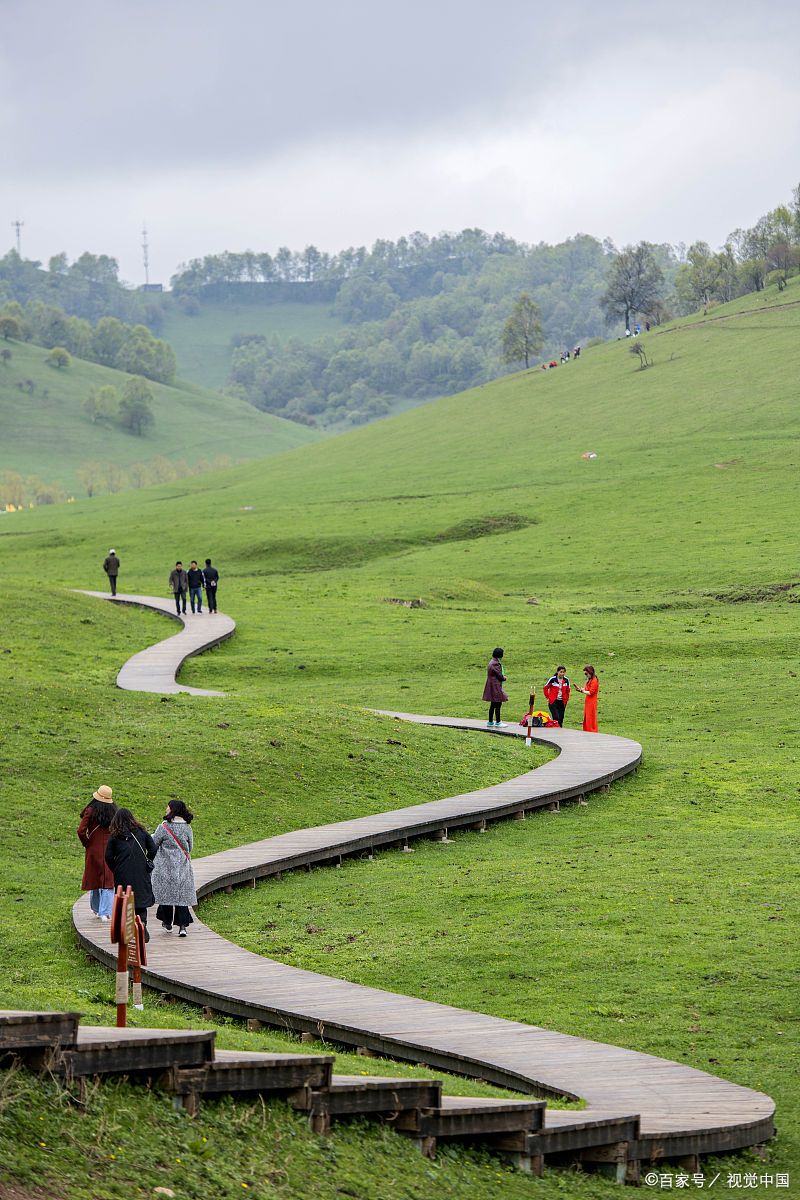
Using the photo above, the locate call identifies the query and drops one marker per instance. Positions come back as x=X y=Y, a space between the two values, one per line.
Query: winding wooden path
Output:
x=679 y=1111
x=155 y=669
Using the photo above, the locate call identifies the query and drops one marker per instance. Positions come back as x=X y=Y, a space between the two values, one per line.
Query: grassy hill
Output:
x=202 y=343
x=661 y=917
x=45 y=433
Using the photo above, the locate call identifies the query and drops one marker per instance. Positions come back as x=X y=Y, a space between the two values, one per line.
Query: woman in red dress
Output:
x=590 y=703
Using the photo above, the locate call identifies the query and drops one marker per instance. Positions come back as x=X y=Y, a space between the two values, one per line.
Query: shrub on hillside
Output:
x=58 y=358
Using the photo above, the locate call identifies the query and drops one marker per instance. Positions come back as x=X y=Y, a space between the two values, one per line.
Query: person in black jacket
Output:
x=111 y=568
x=129 y=854
x=195 y=578
x=211 y=579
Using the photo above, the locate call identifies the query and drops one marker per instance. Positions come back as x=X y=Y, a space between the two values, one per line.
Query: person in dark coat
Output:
x=194 y=577
x=173 y=877
x=129 y=854
x=178 y=585
x=98 y=879
x=111 y=568
x=493 y=689
x=211 y=579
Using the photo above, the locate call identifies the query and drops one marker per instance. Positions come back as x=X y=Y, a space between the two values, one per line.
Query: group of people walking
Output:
x=119 y=852
x=556 y=693
x=192 y=582
x=181 y=583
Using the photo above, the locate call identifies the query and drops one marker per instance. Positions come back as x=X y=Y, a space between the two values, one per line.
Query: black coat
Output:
x=210 y=576
x=195 y=577
x=128 y=857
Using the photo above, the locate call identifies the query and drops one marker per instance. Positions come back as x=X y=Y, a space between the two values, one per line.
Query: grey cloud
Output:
x=111 y=85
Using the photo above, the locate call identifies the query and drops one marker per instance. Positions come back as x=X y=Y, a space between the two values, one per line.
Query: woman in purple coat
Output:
x=493 y=691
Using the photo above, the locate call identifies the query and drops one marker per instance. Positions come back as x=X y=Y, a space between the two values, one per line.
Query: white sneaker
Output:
x=105 y=918
x=499 y=724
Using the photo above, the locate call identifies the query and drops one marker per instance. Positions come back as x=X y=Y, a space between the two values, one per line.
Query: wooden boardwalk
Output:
x=155 y=669
x=679 y=1111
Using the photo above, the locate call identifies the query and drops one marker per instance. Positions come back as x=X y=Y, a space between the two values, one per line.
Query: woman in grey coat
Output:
x=173 y=877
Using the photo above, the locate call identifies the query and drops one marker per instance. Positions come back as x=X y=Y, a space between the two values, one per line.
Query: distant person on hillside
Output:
x=493 y=689
x=178 y=585
x=111 y=568
x=556 y=693
x=98 y=878
x=129 y=854
x=211 y=579
x=590 y=703
x=194 y=577
x=173 y=877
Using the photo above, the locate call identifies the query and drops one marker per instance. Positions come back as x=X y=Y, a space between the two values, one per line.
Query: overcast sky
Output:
x=251 y=124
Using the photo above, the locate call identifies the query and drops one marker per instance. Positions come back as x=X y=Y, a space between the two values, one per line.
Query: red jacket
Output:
x=96 y=872
x=551 y=689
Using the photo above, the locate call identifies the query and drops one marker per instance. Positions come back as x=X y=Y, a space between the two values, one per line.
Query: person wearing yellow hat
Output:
x=93 y=833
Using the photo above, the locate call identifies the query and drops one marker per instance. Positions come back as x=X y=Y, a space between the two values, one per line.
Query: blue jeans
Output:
x=101 y=900
x=196 y=594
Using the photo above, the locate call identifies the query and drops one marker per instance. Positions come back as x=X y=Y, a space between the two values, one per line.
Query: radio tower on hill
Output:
x=146 y=255
x=18 y=226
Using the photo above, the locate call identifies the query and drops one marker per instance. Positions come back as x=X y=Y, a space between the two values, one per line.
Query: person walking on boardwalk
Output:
x=173 y=877
x=194 y=577
x=129 y=854
x=590 y=703
x=111 y=568
x=556 y=693
x=211 y=579
x=98 y=878
x=178 y=585
x=493 y=689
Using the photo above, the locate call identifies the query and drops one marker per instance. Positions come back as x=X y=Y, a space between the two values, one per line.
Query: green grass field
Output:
x=49 y=436
x=202 y=343
x=661 y=917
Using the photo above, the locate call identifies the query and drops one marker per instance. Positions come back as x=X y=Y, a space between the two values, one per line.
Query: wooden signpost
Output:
x=127 y=933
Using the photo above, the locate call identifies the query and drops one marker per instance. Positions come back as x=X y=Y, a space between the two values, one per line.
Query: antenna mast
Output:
x=146 y=255
x=18 y=226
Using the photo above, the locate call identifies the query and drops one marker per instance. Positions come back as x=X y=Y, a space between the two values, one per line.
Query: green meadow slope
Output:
x=661 y=917
x=45 y=433
x=203 y=342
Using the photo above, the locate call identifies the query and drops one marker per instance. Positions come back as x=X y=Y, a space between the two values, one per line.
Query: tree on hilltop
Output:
x=522 y=332
x=634 y=283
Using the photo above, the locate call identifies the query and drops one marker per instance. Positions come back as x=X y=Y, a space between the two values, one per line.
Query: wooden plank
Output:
x=21 y=1031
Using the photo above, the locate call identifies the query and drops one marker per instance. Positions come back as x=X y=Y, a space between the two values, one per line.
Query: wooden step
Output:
x=349 y=1095
x=26 y=1031
x=106 y=1051
x=250 y=1072
x=474 y=1117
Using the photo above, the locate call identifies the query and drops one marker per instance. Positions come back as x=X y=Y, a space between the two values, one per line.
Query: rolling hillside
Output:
x=202 y=342
x=44 y=432
x=660 y=917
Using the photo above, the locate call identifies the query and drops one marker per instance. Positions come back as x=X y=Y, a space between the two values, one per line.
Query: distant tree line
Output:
x=89 y=287
x=103 y=478
x=423 y=317
x=111 y=342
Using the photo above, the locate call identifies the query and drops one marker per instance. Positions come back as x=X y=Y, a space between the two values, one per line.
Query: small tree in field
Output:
x=6 y=356
x=135 y=412
x=10 y=328
x=522 y=332
x=58 y=358
x=637 y=348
